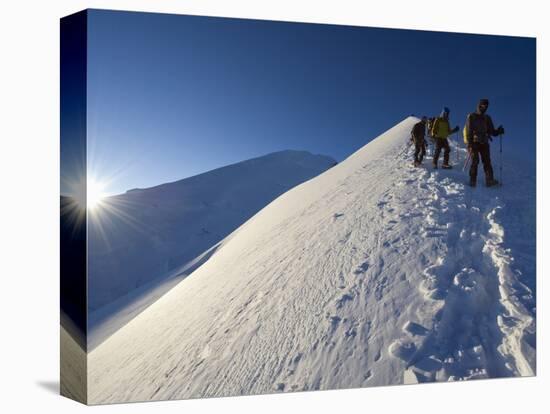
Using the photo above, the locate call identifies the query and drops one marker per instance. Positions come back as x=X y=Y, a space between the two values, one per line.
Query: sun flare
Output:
x=95 y=193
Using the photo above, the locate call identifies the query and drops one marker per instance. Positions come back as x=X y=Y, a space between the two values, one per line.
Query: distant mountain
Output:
x=372 y=273
x=138 y=237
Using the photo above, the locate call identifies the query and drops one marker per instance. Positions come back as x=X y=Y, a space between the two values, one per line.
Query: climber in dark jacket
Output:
x=417 y=137
x=479 y=132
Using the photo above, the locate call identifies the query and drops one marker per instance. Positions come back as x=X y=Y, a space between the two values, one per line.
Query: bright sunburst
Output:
x=95 y=193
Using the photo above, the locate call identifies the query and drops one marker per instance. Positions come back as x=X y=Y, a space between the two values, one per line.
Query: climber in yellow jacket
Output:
x=441 y=129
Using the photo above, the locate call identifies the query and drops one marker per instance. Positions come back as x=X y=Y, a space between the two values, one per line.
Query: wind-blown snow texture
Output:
x=143 y=242
x=372 y=273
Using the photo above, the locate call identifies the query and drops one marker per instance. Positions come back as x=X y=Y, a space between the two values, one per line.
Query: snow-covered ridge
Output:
x=372 y=273
x=144 y=234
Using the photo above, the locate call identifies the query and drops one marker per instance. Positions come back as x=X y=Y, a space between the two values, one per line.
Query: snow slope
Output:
x=372 y=273
x=145 y=241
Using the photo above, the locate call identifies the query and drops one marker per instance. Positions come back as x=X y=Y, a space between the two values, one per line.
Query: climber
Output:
x=417 y=137
x=479 y=131
x=440 y=131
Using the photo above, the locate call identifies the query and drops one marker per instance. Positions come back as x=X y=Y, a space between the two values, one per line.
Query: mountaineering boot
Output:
x=491 y=182
x=446 y=166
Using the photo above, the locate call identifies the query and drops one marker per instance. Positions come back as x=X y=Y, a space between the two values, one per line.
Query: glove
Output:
x=500 y=130
x=456 y=128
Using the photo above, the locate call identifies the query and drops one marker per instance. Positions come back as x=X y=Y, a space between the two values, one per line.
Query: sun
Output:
x=94 y=193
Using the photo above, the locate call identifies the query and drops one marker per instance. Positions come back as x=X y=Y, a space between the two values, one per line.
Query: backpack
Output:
x=430 y=125
x=437 y=124
x=465 y=130
x=417 y=132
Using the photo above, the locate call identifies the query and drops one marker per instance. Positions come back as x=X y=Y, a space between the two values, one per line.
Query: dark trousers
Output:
x=419 y=151
x=481 y=151
x=442 y=143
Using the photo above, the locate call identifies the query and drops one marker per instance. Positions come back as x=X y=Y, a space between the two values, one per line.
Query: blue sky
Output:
x=172 y=96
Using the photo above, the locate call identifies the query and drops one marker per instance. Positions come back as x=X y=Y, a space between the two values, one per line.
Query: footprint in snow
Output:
x=402 y=349
x=362 y=268
x=334 y=321
x=279 y=386
x=292 y=365
x=340 y=302
x=415 y=329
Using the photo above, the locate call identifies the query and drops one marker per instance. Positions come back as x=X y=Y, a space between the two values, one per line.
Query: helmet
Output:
x=482 y=105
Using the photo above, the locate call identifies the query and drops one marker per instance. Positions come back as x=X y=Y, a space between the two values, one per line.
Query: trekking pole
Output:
x=467 y=161
x=500 y=136
x=457 y=145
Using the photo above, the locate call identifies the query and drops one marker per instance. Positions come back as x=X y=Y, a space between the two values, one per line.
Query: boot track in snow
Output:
x=477 y=319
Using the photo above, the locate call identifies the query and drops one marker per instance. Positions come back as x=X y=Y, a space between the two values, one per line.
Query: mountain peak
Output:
x=282 y=159
x=139 y=239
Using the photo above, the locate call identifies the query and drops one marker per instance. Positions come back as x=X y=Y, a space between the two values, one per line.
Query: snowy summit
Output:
x=145 y=241
x=372 y=273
